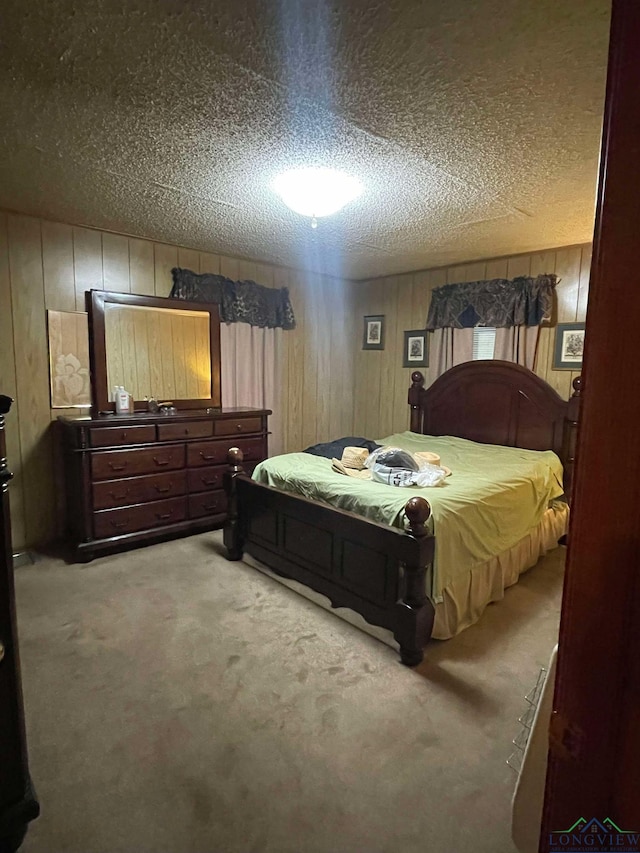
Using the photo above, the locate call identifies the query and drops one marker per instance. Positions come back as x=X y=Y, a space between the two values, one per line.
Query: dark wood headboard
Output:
x=498 y=402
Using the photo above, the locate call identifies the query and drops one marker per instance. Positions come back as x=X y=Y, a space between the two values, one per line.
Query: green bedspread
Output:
x=493 y=498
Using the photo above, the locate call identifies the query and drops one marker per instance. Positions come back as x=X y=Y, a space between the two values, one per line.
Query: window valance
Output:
x=239 y=301
x=499 y=302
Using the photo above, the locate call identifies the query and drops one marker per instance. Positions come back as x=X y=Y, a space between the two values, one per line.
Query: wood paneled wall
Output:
x=380 y=396
x=49 y=265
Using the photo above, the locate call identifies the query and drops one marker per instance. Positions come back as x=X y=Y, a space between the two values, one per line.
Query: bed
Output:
x=396 y=568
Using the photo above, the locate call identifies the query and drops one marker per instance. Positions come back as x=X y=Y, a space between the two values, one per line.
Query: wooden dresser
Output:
x=132 y=480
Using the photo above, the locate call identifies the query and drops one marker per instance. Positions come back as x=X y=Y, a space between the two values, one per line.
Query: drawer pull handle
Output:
x=162 y=516
x=115 y=497
x=209 y=482
x=210 y=506
x=204 y=456
x=115 y=467
x=119 y=524
x=161 y=463
x=186 y=432
x=123 y=434
x=239 y=427
x=163 y=491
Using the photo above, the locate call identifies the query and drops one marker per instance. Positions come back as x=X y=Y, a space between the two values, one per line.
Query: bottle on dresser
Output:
x=123 y=401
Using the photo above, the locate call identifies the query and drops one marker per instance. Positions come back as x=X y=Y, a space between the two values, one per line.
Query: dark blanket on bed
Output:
x=334 y=449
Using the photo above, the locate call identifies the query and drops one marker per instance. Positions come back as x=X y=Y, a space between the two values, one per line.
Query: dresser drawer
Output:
x=115 y=522
x=210 y=503
x=137 y=490
x=206 y=479
x=107 y=465
x=192 y=429
x=237 y=426
x=115 y=435
x=211 y=452
x=253 y=450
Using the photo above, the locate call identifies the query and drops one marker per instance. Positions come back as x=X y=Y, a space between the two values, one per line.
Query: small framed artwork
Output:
x=373 y=332
x=569 y=346
x=69 y=359
x=416 y=349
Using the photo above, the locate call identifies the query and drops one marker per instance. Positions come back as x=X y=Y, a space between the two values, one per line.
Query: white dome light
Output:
x=316 y=191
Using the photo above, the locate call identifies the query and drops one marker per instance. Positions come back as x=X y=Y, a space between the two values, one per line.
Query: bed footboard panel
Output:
x=354 y=562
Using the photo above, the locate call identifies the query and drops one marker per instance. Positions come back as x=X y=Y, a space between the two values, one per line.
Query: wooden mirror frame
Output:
x=96 y=301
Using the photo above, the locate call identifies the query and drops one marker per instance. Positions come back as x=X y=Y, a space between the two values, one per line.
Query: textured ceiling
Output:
x=474 y=126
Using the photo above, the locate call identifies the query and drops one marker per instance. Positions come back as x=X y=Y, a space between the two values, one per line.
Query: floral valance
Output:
x=239 y=301
x=500 y=302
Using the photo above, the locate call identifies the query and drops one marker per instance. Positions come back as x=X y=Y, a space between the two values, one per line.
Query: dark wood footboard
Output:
x=375 y=570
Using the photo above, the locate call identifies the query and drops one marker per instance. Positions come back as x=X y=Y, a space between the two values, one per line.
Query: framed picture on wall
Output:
x=373 y=337
x=569 y=346
x=69 y=359
x=416 y=349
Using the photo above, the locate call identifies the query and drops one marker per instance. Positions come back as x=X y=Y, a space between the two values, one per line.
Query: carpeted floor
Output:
x=178 y=702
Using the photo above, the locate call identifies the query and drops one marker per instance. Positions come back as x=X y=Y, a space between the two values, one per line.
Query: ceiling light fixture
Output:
x=316 y=191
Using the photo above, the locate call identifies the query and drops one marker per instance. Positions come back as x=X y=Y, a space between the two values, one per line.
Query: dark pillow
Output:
x=332 y=449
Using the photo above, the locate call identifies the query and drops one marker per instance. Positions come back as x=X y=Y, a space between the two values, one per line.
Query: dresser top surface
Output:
x=111 y=419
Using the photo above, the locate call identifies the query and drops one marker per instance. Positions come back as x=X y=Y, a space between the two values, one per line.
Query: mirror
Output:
x=168 y=349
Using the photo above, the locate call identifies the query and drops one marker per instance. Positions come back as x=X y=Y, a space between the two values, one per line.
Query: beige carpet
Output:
x=178 y=702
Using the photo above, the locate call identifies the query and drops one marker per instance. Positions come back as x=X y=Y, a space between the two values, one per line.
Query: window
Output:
x=484 y=341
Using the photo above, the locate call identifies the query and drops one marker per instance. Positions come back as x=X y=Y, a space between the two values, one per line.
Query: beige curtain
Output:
x=250 y=357
x=451 y=347
x=518 y=344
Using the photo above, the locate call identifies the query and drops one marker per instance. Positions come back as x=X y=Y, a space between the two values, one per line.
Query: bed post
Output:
x=415 y=394
x=232 y=535
x=571 y=422
x=415 y=611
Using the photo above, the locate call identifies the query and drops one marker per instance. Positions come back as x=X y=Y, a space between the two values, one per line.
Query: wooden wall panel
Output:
x=497 y=268
x=58 y=268
x=310 y=415
x=520 y=265
x=264 y=273
x=390 y=359
x=476 y=271
x=279 y=422
x=87 y=263
x=360 y=291
x=568 y=263
x=343 y=332
x=209 y=263
x=35 y=473
x=295 y=384
x=165 y=259
x=49 y=265
x=115 y=263
x=318 y=356
x=402 y=375
x=230 y=267
x=189 y=259
x=141 y=267
x=247 y=270
x=373 y=360
x=542 y=262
